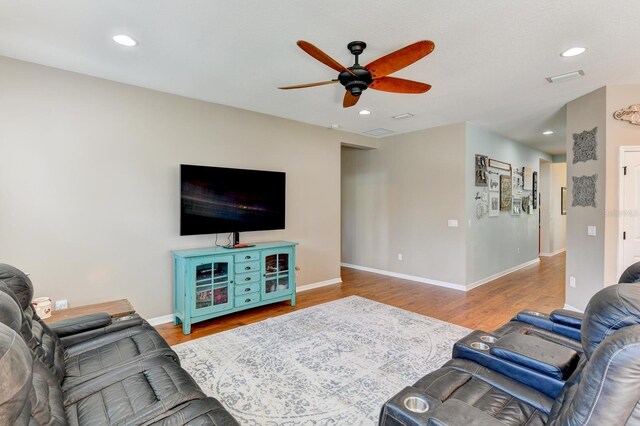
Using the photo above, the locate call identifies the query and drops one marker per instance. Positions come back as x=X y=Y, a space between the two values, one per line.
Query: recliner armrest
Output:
x=114 y=325
x=80 y=324
x=535 y=353
x=544 y=322
x=454 y=412
x=568 y=318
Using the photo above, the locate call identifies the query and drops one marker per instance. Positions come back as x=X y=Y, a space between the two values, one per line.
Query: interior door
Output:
x=631 y=209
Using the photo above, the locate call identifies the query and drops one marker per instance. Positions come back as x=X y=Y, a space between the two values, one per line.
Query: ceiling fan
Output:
x=358 y=78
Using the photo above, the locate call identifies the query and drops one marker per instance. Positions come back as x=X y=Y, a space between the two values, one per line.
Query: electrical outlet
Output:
x=518 y=250
x=591 y=231
x=572 y=282
x=61 y=304
x=452 y=223
x=399 y=256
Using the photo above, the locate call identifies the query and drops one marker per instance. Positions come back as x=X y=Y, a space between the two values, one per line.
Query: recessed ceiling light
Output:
x=124 y=40
x=574 y=51
x=566 y=76
x=547 y=132
x=365 y=112
x=405 y=115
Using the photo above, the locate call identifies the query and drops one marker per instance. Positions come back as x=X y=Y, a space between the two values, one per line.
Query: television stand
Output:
x=211 y=282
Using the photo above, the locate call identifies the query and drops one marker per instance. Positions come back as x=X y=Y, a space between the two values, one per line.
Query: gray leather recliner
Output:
x=604 y=388
x=112 y=378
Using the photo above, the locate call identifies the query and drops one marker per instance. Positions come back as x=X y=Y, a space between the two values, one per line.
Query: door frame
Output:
x=622 y=150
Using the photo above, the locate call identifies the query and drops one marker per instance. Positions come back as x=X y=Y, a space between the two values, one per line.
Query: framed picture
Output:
x=516 y=206
x=505 y=193
x=494 y=182
x=527 y=176
x=526 y=204
x=563 y=200
x=494 y=204
x=499 y=165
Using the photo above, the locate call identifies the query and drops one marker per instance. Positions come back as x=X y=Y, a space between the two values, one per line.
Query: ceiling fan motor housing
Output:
x=357 y=82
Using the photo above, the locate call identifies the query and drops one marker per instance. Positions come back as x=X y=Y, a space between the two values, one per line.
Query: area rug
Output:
x=331 y=364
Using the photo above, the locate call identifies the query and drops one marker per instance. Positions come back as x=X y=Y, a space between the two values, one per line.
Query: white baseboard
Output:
x=160 y=320
x=319 y=284
x=169 y=318
x=422 y=280
x=445 y=284
x=501 y=274
x=571 y=308
x=554 y=253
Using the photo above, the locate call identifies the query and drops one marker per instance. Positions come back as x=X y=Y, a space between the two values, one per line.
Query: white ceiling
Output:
x=489 y=65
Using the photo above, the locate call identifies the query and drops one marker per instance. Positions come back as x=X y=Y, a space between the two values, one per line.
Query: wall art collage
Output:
x=505 y=188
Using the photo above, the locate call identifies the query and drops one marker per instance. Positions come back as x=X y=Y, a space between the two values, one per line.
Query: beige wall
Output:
x=595 y=259
x=398 y=198
x=585 y=253
x=90 y=190
x=497 y=244
x=558 y=221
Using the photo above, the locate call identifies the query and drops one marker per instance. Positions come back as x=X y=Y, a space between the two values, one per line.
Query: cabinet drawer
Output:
x=246 y=289
x=247 y=300
x=246 y=257
x=247 y=267
x=252 y=277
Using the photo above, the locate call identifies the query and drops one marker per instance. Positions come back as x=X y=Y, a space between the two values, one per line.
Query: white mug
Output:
x=42 y=305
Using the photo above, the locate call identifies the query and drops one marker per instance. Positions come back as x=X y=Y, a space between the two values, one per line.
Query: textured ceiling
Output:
x=489 y=65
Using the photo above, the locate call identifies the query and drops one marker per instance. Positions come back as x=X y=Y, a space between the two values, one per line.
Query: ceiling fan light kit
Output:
x=357 y=78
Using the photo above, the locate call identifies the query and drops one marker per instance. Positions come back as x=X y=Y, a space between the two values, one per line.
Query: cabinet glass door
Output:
x=277 y=273
x=212 y=286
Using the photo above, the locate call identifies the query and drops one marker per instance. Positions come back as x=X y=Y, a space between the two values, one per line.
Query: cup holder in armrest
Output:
x=488 y=339
x=410 y=407
x=479 y=346
x=416 y=404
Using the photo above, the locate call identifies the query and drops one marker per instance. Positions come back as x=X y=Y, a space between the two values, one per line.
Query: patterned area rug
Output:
x=331 y=364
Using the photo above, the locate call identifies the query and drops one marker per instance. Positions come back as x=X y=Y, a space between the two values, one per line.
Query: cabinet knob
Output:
x=247 y=268
x=248 y=279
x=247 y=289
x=247 y=257
x=247 y=300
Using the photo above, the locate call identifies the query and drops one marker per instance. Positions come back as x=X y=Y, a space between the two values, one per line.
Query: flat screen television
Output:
x=217 y=200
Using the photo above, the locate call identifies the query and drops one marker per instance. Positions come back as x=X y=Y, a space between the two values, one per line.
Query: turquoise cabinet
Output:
x=212 y=282
x=277 y=279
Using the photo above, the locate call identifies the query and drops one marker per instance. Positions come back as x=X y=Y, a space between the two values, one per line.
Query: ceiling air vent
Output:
x=378 y=132
x=565 y=77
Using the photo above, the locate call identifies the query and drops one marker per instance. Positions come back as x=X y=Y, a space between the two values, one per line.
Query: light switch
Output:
x=591 y=231
x=452 y=223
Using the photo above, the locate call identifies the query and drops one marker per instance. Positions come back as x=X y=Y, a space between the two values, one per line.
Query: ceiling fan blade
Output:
x=399 y=85
x=399 y=59
x=301 y=86
x=349 y=100
x=321 y=56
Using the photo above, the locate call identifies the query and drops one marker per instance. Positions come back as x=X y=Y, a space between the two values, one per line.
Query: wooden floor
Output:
x=540 y=287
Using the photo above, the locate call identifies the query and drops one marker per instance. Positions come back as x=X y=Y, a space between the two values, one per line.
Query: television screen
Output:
x=218 y=200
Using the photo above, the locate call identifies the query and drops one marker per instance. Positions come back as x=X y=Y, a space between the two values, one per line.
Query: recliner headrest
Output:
x=610 y=309
x=631 y=274
x=10 y=312
x=16 y=366
x=19 y=283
